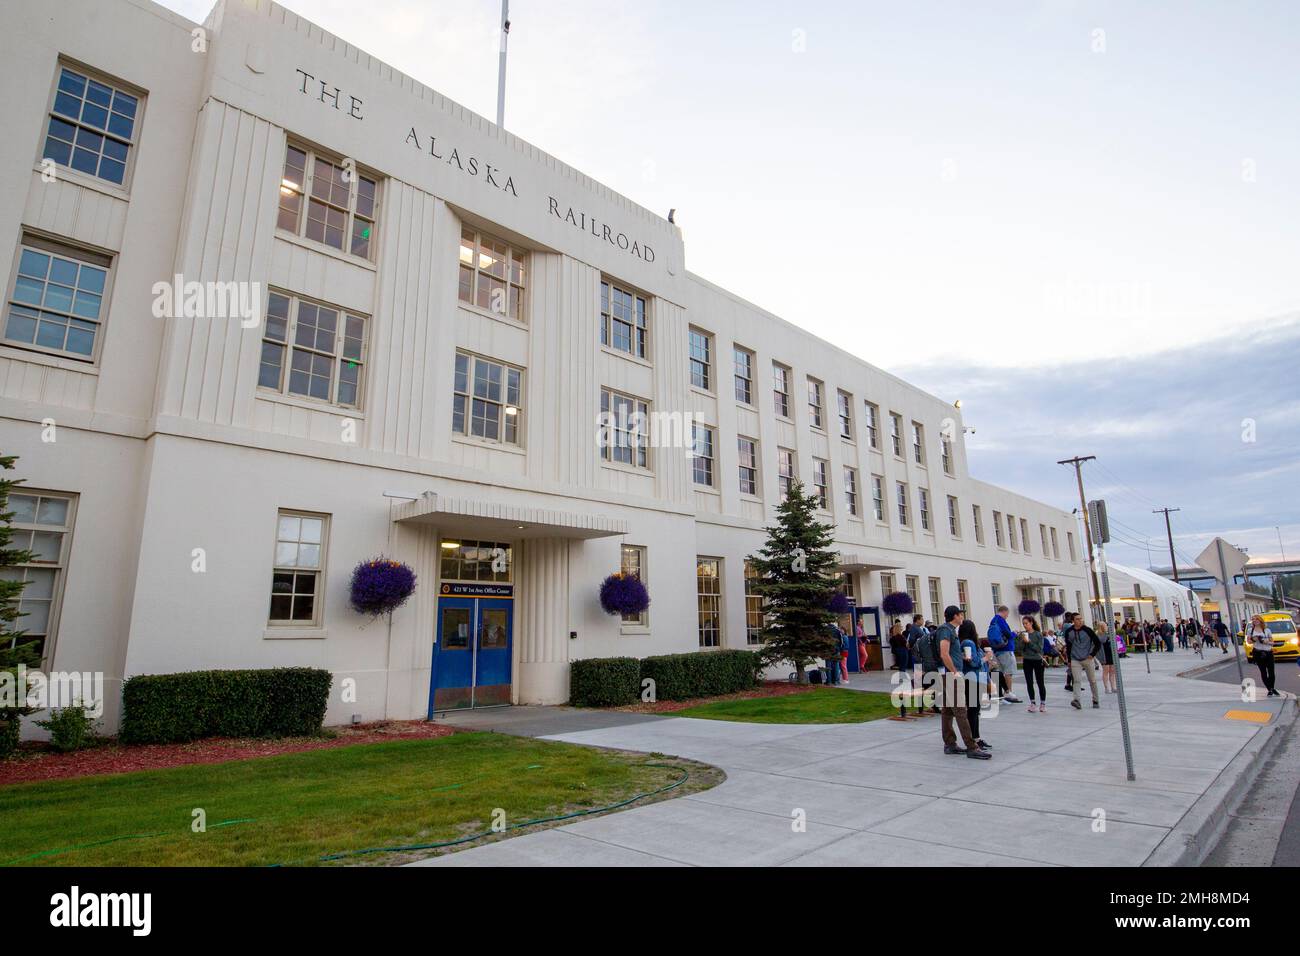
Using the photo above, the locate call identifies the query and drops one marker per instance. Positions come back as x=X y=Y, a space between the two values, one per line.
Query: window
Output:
x=1069 y=543
x=1042 y=533
x=997 y=528
x=914 y=591
x=902 y=503
x=878 y=497
x=624 y=437
x=936 y=600
x=785 y=472
x=57 y=299
x=997 y=596
x=492 y=275
x=781 y=390
x=851 y=490
x=632 y=565
x=326 y=346
x=1011 y=533
x=475 y=561
x=41 y=524
x=701 y=351
x=1056 y=545
x=299 y=568
x=873 y=425
x=954 y=519
x=821 y=484
x=815 y=403
x=747 y=451
x=1078 y=600
x=923 y=494
x=945 y=449
x=708 y=600
x=91 y=126
x=702 y=455
x=341 y=206
x=622 y=320
x=845 y=401
x=486 y=399
x=1024 y=535
x=743 y=360
x=848 y=588
x=896 y=434
x=978 y=521
x=754 y=617
x=887 y=584
x=918 y=443
x=963 y=591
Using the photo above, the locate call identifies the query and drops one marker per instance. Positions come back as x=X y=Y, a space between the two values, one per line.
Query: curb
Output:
x=1195 y=835
x=1200 y=669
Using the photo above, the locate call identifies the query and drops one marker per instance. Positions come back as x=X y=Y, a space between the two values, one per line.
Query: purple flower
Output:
x=1053 y=608
x=623 y=594
x=1029 y=606
x=900 y=602
x=380 y=586
x=839 y=603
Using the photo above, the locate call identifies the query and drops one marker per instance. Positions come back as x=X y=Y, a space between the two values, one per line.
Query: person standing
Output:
x=1082 y=645
x=975 y=662
x=954 y=705
x=1262 y=640
x=1108 y=651
x=1031 y=651
x=1003 y=641
x=1221 y=633
x=898 y=645
x=833 y=658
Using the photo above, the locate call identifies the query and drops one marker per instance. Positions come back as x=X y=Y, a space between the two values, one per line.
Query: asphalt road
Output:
x=1288 y=674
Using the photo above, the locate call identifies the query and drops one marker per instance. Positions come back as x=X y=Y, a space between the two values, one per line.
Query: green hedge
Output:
x=615 y=681
x=173 y=708
x=605 y=682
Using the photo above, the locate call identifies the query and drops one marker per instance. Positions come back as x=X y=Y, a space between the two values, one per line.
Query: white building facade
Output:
x=273 y=309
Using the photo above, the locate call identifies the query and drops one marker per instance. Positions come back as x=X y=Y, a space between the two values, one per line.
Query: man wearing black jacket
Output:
x=1082 y=646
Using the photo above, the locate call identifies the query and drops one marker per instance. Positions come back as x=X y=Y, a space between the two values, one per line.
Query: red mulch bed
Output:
x=36 y=761
x=771 y=688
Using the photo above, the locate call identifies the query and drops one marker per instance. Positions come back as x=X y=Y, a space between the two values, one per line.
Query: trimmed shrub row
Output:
x=616 y=681
x=174 y=708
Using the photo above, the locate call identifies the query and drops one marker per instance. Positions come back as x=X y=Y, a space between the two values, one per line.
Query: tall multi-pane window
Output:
x=997 y=596
x=815 y=403
x=1056 y=545
x=1042 y=534
x=914 y=590
x=963 y=595
x=954 y=518
x=977 y=520
x=702 y=455
x=322 y=201
x=902 y=503
x=754 y=618
x=493 y=275
x=936 y=600
x=41 y=524
x=845 y=402
x=623 y=320
x=312 y=350
x=873 y=425
x=896 y=434
x=624 y=437
x=785 y=474
x=91 y=127
x=918 y=443
x=298 y=569
x=486 y=399
x=1069 y=543
x=1024 y=536
x=851 y=490
x=997 y=528
x=747 y=452
x=878 y=497
x=781 y=390
x=821 y=483
x=1078 y=600
x=57 y=302
x=701 y=354
x=632 y=565
x=708 y=599
x=887 y=583
x=945 y=448
x=923 y=502
x=743 y=361
x=1011 y=533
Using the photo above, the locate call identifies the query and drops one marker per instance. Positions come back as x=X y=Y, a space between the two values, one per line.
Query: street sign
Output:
x=1097 y=519
x=1234 y=561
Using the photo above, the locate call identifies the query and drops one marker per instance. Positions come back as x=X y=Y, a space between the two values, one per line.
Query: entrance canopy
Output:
x=494 y=519
x=856 y=562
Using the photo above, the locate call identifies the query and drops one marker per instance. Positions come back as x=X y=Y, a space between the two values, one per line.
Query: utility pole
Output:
x=501 y=69
x=1077 y=462
x=1170 y=534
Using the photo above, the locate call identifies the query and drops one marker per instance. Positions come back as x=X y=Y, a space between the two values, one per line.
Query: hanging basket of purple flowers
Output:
x=623 y=594
x=839 y=603
x=1029 y=606
x=380 y=586
x=900 y=602
x=1053 y=609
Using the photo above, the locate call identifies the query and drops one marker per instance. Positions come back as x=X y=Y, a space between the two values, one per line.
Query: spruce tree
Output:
x=797 y=571
x=13 y=650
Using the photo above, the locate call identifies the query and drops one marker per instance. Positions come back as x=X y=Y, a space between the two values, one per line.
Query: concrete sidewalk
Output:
x=884 y=793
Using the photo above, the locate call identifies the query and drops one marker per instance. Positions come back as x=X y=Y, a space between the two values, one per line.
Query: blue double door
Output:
x=472 y=651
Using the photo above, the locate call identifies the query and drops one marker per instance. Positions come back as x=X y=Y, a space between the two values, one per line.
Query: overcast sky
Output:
x=1090 y=207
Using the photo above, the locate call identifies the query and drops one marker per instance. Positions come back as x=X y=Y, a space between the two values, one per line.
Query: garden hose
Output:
x=118 y=839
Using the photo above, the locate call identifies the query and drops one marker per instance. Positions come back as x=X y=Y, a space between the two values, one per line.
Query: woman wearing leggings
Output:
x=1031 y=643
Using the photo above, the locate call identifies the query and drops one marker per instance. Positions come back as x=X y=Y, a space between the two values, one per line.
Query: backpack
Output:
x=927 y=648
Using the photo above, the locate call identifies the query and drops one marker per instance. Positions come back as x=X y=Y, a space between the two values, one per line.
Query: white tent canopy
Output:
x=1168 y=598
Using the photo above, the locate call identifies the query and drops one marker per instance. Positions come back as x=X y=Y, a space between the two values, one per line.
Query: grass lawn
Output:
x=821 y=705
x=298 y=808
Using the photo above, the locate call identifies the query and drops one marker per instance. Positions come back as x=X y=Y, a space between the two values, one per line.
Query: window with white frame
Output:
x=1011 y=533
x=781 y=390
x=486 y=400
x=954 y=517
x=936 y=600
x=701 y=356
x=312 y=350
x=845 y=401
x=786 y=474
x=821 y=483
x=493 y=275
x=913 y=589
x=632 y=565
x=918 y=442
x=896 y=434
x=1078 y=601
x=977 y=520
x=1042 y=534
x=41 y=525
x=878 y=496
x=902 y=504
x=702 y=454
x=997 y=596
x=747 y=452
x=815 y=403
x=623 y=319
x=754 y=617
x=1056 y=545
x=1069 y=543
x=625 y=431
x=873 y=425
x=91 y=126
x=56 y=302
x=923 y=496
x=1024 y=536
x=299 y=569
x=945 y=449
x=997 y=529
x=708 y=600
x=743 y=364
x=887 y=584
x=325 y=200
x=851 y=490
x=963 y=593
